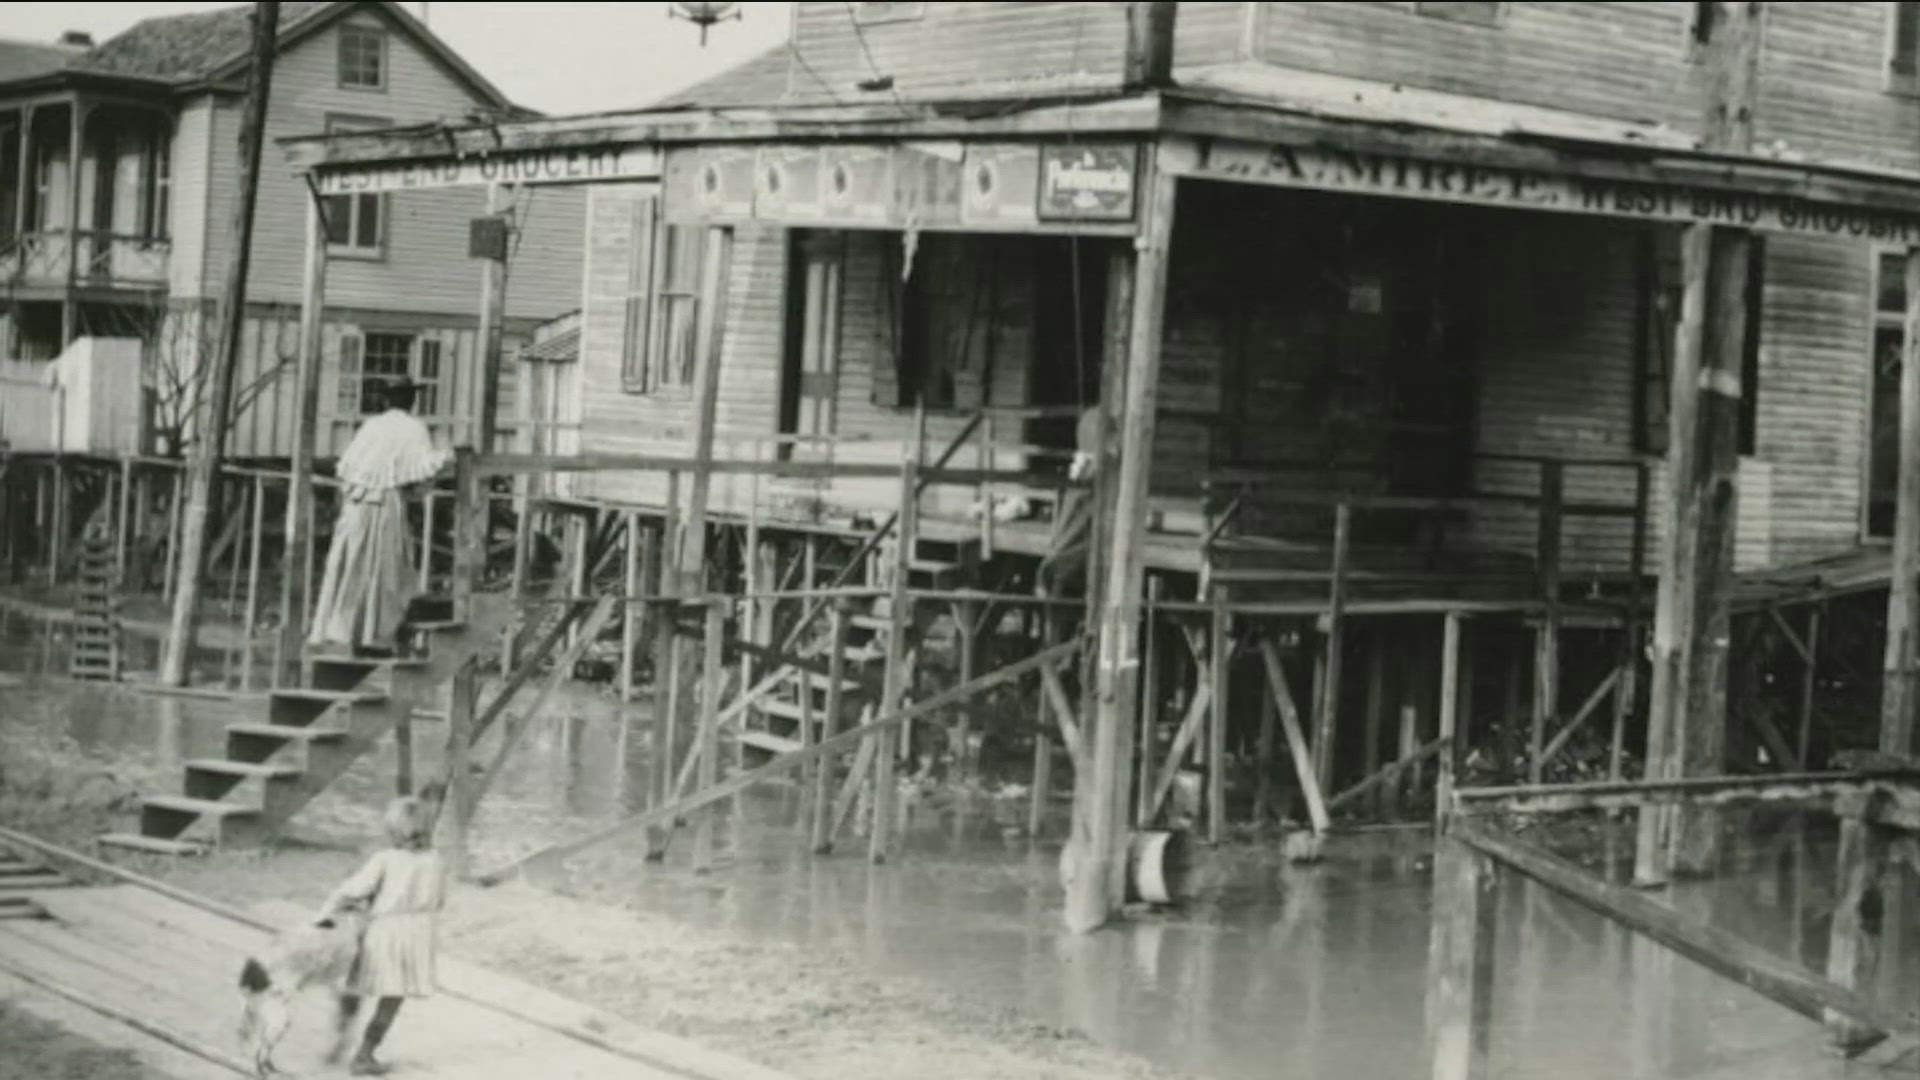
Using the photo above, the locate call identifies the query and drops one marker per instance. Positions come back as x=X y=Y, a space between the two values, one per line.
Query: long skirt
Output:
x=365 y=589
x=396 y=957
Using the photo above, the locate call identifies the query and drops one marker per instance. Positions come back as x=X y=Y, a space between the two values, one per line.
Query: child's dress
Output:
x=406 y=890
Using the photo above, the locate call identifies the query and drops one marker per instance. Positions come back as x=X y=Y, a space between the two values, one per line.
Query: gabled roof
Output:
x=30 y=59
x=192 y=48
x=197 y=50
x=758 y=80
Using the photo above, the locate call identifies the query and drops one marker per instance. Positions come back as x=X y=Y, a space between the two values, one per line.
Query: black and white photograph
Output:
x=960 y=540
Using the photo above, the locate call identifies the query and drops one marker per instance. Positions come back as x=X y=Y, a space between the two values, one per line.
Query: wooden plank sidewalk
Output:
x=172 y=970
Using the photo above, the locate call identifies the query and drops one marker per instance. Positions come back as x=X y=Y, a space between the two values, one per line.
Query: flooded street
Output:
x=1271 y=970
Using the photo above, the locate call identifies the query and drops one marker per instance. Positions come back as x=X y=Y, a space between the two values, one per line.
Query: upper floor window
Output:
x=363 y=57
x=156 y=189
x=1903 y=50
x=1477 y=14
x=356 y=224
x=659 y=344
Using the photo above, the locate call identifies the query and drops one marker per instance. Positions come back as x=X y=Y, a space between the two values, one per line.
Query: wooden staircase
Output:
x=96 y=637
x=308 y=738
x=793 y=712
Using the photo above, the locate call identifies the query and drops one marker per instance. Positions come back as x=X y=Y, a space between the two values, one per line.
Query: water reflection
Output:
x=1273 y=970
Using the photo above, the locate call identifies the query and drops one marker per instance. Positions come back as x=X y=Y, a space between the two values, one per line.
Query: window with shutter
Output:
x=427 y=374
x=638 y=313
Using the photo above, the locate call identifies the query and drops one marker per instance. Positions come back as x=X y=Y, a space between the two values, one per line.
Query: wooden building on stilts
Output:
x=1486 y=401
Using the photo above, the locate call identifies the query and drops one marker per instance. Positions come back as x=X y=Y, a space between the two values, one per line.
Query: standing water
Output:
x=1270 y=970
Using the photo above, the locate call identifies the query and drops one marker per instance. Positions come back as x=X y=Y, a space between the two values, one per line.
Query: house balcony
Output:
x=86 y=259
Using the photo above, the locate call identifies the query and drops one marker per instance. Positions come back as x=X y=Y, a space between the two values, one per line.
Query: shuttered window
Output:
x=637 y=317
x=1889 y=352
x=1903 y=56
x=659 y=338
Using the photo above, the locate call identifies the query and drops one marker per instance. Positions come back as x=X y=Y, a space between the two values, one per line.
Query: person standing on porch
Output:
x=365 y=590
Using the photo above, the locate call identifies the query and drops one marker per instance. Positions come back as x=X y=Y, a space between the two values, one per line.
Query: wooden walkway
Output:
x=170 y=971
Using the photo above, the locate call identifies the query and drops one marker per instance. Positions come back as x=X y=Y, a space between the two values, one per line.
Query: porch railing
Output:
x=50 y=257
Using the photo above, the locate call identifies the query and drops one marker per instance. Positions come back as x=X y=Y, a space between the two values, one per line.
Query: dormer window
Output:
x=363 y=57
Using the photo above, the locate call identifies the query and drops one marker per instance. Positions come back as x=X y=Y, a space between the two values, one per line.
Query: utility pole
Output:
x=204 y=469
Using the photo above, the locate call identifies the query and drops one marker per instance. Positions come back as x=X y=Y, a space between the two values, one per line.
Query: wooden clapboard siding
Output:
x=1625 y=60
x=1824 y=88
x=424 y=265
x=1815 y=377
x=191 y=181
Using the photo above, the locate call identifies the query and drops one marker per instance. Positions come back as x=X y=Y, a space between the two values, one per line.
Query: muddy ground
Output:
x=807 y=1012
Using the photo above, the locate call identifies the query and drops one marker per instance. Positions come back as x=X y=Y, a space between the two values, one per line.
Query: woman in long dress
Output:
x=365 y=589
x=403 y=888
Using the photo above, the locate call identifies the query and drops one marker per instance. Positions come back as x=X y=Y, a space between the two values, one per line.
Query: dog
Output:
x=319 y=953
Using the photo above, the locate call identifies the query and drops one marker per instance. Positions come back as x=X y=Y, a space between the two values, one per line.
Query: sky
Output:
x=555 y=57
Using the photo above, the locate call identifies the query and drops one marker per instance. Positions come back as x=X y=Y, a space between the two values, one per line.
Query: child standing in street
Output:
x=403 y=889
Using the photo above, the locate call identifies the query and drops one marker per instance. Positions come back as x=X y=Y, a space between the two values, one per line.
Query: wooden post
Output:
x=1097 y=890
x=1546 y=663
x=493 y=313
x=123 y=521
x=1687 y=715
x=822 y=834
x=57 y=538
x=1266 y=751
x=634 y=583
x=210 y=447
x=1451 y=754
x=1220 y=671
x=895 y=680
x=711 y=673
x=1150 y=702
x=1809 y=684
x=403 y=753
x=967 y=614
x=1851 y=945
x=1898 y=696
x=1040 y=791
x=297 y=555
x=1460 y=960
x=1627 y=697
x=77 y=111
x=1673 y=616
x=253 y=575
x=1376 y=718
x=1326 y=703
x=176 y=509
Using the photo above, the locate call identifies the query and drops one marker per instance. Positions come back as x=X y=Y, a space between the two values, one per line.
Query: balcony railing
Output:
x=49 y=257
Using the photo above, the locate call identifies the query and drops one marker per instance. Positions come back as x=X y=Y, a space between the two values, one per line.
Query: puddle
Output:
x=1272 y=970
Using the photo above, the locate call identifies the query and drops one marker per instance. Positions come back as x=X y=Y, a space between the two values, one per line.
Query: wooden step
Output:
x=243 y=769
x=153 y=845
x=789 y=709
x=182 y=804
x=330 y=697
x=283 y=731
x=20 y=907
x=766 y=740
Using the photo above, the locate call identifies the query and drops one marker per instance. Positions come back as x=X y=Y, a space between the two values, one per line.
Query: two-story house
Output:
x=119 y=166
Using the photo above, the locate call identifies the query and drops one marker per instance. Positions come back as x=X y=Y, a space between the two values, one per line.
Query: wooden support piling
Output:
x=1296 y=740
x=896 y=677
x=1452 y=680
x=1220 y=672
x=1376 y=719
x=1809 y=684
x=709 y=732
x=1852 y=943
x=1150 y=703
x=1899 y=696
x=1460 y=963
x=123 y=519
x=822 y=828
x=1546 y=663
x=1327 y=700
x=634 y=584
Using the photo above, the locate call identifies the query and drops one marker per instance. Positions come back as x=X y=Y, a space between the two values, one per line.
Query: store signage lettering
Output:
x=1087 y=183
x=508 y=167
x=1388 y=174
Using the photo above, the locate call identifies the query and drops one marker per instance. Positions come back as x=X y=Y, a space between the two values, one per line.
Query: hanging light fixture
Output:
x=703 y=15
